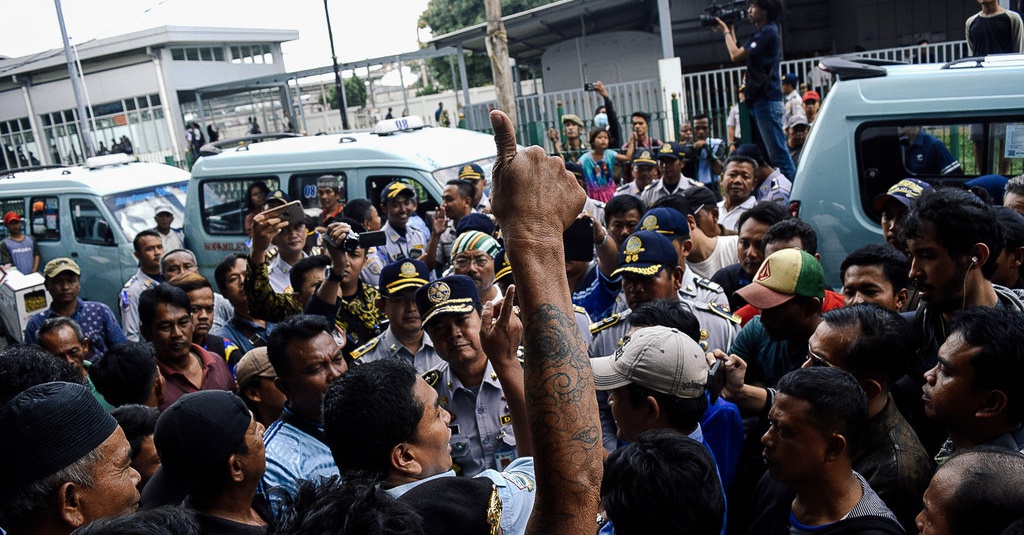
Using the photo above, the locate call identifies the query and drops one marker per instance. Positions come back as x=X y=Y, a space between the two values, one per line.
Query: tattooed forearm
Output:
x=562 y=413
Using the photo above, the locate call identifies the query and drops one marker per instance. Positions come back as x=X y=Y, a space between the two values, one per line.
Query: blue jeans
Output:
x=768 y=117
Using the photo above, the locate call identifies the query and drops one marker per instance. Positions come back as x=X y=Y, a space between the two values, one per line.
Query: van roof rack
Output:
x=993 y=60
x=212 y=149
x=854 y=68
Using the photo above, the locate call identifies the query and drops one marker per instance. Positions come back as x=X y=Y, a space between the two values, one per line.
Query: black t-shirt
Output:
x=991 y=35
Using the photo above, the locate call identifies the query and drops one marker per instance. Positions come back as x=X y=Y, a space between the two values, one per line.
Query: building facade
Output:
x=135 y=86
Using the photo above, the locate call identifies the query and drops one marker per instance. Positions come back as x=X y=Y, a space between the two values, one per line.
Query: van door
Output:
x=95 y=249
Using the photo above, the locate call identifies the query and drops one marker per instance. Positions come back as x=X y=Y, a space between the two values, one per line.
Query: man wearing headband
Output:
x=473 y=256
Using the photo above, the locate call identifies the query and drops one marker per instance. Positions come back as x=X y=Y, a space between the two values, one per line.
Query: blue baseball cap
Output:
x=455 y=294
x=645 y=252
x=666 y=221
x=407 y=273
x=791 y=79
x=475 y=221
x=905 y=192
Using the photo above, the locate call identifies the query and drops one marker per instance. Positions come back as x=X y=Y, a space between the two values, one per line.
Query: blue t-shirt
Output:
x=927 y=155
x=597 y=293
x=764 y=51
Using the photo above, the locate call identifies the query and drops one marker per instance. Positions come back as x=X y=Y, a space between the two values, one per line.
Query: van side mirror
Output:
x=104 y=233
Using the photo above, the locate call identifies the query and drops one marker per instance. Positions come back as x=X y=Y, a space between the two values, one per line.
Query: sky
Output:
x=361 y=29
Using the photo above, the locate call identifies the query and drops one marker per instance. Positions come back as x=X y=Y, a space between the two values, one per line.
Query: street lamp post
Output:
x=338 y=89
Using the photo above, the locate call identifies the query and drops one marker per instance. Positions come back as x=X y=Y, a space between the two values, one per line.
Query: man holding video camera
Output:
x=763 y=52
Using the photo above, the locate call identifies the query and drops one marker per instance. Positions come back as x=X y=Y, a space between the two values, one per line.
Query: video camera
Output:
x=729 y=12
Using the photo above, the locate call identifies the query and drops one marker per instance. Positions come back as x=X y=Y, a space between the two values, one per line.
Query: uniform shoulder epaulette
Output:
x=605 y=323
x=709 y=284
x=724 y=311
x=580 y=309
x=270 y=254
x=365 y=348
x=432 y=377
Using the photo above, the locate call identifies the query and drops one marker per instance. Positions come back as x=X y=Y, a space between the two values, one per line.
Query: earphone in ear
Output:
x=974 y=260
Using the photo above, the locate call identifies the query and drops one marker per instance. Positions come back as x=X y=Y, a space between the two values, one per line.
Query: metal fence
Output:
x=538 y=113
x=711 y=92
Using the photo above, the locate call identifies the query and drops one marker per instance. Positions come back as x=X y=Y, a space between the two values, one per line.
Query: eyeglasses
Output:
x=817 y=360
x=463 y=262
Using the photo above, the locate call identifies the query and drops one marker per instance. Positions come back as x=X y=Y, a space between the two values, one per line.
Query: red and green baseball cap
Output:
x=784 y=275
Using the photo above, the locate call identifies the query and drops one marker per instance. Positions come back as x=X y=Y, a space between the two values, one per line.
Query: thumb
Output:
x=504 y=137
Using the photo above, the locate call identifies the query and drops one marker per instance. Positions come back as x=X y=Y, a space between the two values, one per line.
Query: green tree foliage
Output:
x=355 y=93
x=446 y=16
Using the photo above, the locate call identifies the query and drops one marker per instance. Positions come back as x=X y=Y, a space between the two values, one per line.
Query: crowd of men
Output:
x=670 y=361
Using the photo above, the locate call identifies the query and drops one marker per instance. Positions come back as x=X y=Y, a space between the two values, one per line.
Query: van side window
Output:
x=937 y=153
x=222 y=203
x=16 y=205
x=44 y=220
x=89 y=224
x=302 y=187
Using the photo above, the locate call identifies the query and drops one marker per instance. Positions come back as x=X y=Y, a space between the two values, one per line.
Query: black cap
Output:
x=407 y=273
x=457 y=506
x=194 y=438
x=48 y=427
x=504 y=267
x=278 y=197
x=749 y=151
x=455 y=294
x=475 y=221
x=698 y=197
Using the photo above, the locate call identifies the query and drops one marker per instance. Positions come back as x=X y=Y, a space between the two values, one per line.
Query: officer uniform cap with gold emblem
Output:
x=645 y=252
x=504 y=267
x=402 y=274
x=471 y=171
x=665 y=221
x=645 y=159
x=456 y=294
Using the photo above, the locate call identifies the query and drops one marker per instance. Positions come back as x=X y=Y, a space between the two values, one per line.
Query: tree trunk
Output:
x=497 y=51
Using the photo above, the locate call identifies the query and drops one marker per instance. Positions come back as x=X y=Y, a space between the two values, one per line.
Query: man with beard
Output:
x=954 y=240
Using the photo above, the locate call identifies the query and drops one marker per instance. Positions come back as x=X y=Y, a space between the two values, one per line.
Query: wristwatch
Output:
x=330 y=275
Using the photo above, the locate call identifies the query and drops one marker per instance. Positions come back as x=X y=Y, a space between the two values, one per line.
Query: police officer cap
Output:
x=407 y=273
x=666 y=221
x=394 y=189
x=645 y=252
x=471 y=171
x=455 y=294
x=574 y=168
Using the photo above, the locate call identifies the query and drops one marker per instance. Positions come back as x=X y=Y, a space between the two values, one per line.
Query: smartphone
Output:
x=291 y=212
x=578 y=240
x=589 y=86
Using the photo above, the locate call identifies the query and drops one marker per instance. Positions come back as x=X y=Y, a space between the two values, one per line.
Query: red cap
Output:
x=11 y=216
x=811 y=95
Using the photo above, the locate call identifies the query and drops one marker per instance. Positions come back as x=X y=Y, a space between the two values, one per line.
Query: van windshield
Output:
x=134 y=210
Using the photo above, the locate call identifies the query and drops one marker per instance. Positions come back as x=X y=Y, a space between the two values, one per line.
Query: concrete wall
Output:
x=602 y=59
x=890 y=23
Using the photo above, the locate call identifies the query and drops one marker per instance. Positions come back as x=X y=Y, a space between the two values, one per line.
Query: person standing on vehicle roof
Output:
x=763 y=52
x=994 y=30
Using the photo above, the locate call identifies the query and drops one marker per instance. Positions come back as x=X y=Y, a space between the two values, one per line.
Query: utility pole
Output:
x=83 y=118
x=339 y=89
x=497 y=50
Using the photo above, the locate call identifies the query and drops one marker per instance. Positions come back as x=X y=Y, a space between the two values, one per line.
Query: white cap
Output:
x=660 y=358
